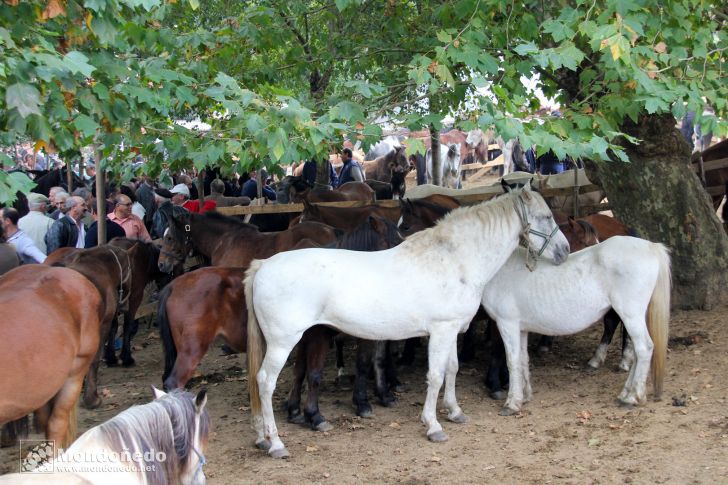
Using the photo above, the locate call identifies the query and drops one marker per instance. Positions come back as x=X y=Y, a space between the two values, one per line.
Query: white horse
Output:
x=449 y=262
x=628 y=274
x=449 y=165
x=161 y=442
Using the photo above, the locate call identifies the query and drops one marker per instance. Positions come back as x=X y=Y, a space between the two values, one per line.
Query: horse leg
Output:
x=109 y=349
x=275 y=359
x=611 y=322
x=390 y=369
x=386 y=398
x=408 y=353
x=526 y=373
x=340 y=366
x=628 y=355
x=91 y=398
x=512 y=342
x=439 y=349
x=315 y=359
x=189 y=355
x=497 y=372
x=62 y=420
x=635 y=389
x=364 y=357
x=293 y=404
x=468 y=351
x=130 y=327
x=545 y=342
x=455 y=414
x=13 y=430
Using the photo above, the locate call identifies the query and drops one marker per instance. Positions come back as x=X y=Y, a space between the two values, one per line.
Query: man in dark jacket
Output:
x=68 y=231
x=351 y=171
x=145 y=196
x=112 y=229
x=165 y=210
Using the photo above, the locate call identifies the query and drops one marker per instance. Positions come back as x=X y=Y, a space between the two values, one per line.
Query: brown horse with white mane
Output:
x=51 y=333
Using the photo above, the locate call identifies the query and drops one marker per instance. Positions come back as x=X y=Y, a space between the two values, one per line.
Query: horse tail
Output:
x=72 y=428
x=658 y=317
x=256 y=340
x=165 y=333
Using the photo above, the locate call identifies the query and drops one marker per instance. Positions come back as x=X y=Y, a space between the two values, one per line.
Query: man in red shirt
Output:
x=181 y=196
x=133 y=226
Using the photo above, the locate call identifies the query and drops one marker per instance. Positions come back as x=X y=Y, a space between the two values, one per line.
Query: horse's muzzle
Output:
x=561 y=253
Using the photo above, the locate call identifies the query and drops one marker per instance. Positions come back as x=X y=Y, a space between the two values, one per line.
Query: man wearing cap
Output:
x=24 y=245
x=133 y=226
x=36 y=224
x=165 y=210
x=181 y=196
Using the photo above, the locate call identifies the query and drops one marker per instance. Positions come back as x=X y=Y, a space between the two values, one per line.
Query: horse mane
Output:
x=492 y=215
x=589 y=230
x=148 y=427
x=438 y=209
x=365 y=238
x=148 y=246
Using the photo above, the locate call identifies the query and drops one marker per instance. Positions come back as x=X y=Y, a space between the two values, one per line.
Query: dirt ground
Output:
x=572 y=432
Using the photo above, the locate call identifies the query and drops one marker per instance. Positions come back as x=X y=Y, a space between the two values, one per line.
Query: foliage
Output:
x=278 y=81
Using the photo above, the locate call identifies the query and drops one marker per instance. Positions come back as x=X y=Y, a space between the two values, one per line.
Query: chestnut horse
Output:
x=108 y=268
x=347 y=218
x=51 y=334
x=296 y=189
x=384 y=166
x=189 y=324
x=419 y=214
x=227 y=241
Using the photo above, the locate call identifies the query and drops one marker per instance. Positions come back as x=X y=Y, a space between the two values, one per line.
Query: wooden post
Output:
x=100 y=198
x=259 y=182
x=435 y=154
x=576 y=192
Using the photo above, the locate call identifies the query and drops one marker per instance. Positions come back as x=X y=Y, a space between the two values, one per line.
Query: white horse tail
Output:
x=658 y=317
x=256 y=340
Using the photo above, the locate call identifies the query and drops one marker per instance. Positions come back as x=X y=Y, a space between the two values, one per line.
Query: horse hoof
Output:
x=366 y=413
x=93 y=403
x=324 y=426
x=129 y=363
x=506 y=411
x=387 y=401
x=625 y=405
x=459 y=419
x=590 y=369
x=297 y=419
x=112 y=363
x=280 y=453
x=263 y=445
x=498 y=395
x=398 y=387
x=437 y=437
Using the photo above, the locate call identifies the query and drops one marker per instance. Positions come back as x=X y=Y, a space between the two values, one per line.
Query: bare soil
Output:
x=572 y=432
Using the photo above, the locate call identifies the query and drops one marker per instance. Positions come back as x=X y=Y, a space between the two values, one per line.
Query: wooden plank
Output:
x=717 y=190
x=285 y=208
x=711 y=165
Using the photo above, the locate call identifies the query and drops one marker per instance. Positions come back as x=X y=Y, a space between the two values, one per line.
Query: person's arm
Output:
x=34 y=253
x=143 y=233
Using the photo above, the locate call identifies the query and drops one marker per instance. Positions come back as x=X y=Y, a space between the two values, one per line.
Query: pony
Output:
x=628 y=274
x=453 y=260
x=51 y=334
x=295 y=189
x=109 y=269
x=161 y=442
x=383 y=168
x=395 y=189
x=449 y=166
x=419 y=214
x=227 y=241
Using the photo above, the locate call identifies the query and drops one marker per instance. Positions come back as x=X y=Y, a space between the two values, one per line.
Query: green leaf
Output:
x=78 y=63
x=24 y=97
x=195 y=4
x=525 y=49
x=444 y=37
x=86 y=125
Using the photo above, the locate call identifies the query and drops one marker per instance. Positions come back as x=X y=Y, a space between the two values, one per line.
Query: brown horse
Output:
x=383 y=167
x=347 y=218
x=108 y=268
x=189 y=324
x=226 y=241
x=144 y=269
x=296 y=189
x=419 y=214
x=51 y=322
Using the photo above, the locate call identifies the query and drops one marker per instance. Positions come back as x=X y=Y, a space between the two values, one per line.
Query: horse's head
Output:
x=540 y=233
x=176 y=242
x=474 y=138
x=397 y=160
x=291 y=188
x=453 y=158
x=190 y=439
x=374 y=234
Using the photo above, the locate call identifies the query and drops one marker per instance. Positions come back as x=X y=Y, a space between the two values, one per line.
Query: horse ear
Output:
x=200 y=401
x=506 y=186
x=157 y=393
x=374 y=223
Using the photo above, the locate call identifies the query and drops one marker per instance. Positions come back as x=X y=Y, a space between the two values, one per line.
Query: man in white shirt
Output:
x=36 y=224
x=24 y=245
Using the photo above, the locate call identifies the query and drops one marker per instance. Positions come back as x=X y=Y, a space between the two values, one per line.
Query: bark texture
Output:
x=659 y=196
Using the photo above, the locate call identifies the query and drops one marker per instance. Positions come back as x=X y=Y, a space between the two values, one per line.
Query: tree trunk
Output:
x=100 y=200
x=436 y=162
x=659 y=196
